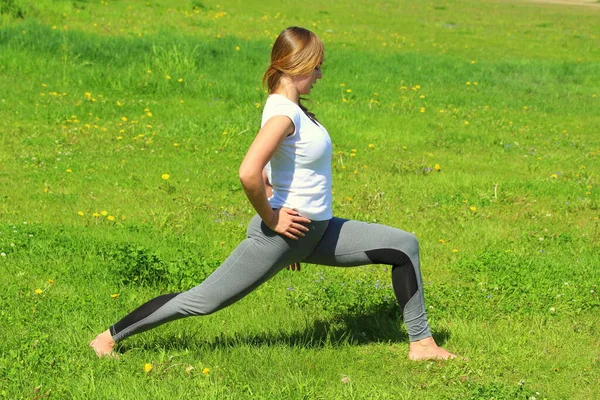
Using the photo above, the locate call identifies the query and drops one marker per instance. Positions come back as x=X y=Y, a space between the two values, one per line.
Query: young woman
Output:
x=286 y=175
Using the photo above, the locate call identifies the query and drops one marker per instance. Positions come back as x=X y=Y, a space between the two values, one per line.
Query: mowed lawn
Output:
x=473 y=124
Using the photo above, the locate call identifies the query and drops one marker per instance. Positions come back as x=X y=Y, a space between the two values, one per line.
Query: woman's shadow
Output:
x=381 y=324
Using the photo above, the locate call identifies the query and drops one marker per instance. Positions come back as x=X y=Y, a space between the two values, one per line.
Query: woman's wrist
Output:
x=269 y=218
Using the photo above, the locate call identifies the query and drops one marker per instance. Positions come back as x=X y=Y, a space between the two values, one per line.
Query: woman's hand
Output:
x=288 y=222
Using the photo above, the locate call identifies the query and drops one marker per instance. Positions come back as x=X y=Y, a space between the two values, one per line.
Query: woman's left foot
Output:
x=427 y=349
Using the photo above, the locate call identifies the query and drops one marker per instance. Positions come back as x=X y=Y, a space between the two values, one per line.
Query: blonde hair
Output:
x=297 y=51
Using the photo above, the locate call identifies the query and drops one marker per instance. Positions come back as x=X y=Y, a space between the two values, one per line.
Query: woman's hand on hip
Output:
x=289 y=223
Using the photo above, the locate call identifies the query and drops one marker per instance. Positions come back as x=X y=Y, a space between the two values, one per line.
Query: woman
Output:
x=290 y=159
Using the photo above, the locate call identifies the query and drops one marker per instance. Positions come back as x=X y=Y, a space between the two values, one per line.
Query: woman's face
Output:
x=304 y=83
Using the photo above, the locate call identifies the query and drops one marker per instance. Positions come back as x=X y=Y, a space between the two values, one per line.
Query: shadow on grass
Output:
x=382 y=325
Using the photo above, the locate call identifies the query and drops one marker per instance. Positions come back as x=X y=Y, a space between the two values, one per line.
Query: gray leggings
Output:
x=337 y=242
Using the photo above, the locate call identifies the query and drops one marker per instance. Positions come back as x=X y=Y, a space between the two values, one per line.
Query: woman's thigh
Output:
x=346 y=243
x=255 y=260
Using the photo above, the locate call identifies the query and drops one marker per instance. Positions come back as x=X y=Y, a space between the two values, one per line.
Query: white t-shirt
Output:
x=300 y=169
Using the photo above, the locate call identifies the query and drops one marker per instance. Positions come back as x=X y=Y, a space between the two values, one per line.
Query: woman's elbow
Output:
x=247 y=176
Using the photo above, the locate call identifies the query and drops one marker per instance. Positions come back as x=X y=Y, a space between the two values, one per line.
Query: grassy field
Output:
x=473 y=124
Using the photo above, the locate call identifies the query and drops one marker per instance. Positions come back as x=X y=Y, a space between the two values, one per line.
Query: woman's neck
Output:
x=287 y=89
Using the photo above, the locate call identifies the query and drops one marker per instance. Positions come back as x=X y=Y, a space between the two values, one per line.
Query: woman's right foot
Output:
x=103 y=345
x=427 y=349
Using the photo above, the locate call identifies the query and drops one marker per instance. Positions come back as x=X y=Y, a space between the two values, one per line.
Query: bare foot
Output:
x=427 y=349
x=103 y=345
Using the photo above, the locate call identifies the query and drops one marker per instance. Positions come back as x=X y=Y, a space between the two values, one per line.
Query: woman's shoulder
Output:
x=281 y=105
x=277 y=100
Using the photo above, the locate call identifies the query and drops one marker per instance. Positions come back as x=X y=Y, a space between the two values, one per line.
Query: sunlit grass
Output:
x=474 y=125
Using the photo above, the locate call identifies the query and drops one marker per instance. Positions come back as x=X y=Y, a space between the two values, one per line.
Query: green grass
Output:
x=502 y=96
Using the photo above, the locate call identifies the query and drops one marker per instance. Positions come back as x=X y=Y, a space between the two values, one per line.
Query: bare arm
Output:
x=268 y=186
x=284 y=221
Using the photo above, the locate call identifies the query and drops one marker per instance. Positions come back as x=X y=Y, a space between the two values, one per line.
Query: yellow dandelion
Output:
x=422 y=96
x=371 y=145
x=50 y=280
x=110 y=218
x=124 y=119
x=257 y=105
x=114 y=295
x=422 y=109
x=466 y=122
x=348 y=90
x=148 y=367
x=119 y=104
x=119 y=137
x=104 y=213
x=80 y=213
x=175 y=144
x=96 y=214
x=168 y=76
x=467 y=83
x=149 y=114
x=38 y=291
x=180 y=80
x=437 y=167
x=455 y=250
x=69 y=170
x=149 y=71
x=206 y=371
x=237 y=48
x=342 y=84
x=473 y=208
x=555 y=176
x=442 y=241
x=165 y=176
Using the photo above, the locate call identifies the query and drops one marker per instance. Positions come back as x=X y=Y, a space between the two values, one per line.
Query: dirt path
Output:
x=588 y=3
